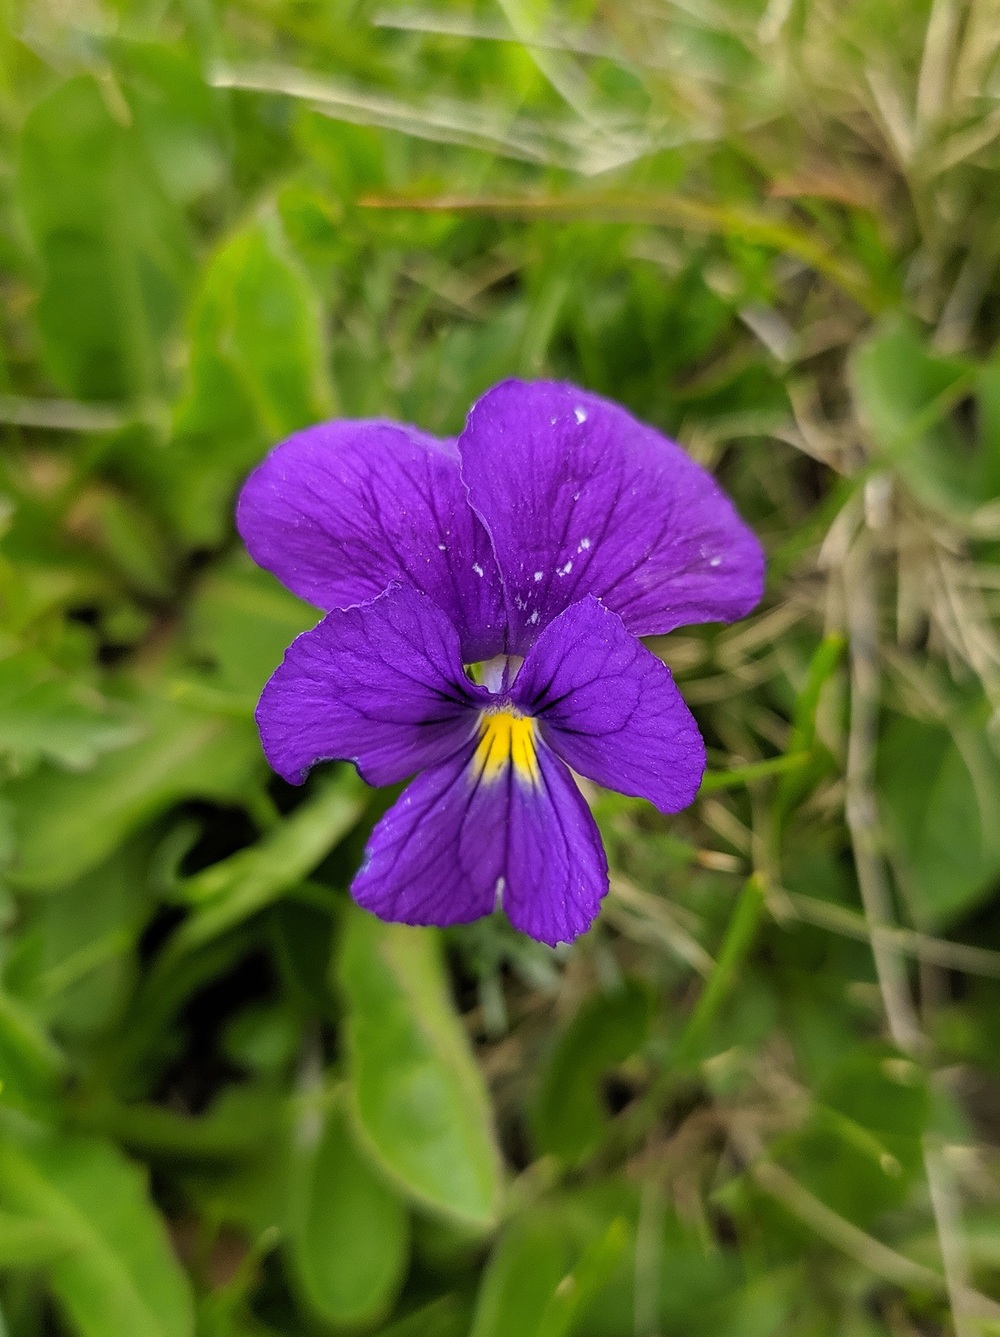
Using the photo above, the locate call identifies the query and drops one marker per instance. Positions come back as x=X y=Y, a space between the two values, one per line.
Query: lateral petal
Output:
x=580 y=498
x=339 y=511
x=381 y=685
x=611 y=709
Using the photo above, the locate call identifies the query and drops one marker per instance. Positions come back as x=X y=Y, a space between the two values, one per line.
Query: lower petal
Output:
x=437 y=855
x=556 y=871
x=467 y=837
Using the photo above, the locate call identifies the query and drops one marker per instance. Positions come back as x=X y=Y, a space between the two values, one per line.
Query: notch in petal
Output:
x=341 y=510
x=464 y=839
x=381 y=685
x=580 y=498
x=611 y=709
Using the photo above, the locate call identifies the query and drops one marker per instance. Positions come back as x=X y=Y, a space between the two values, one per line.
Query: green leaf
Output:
x=349 y=1232
x=75 y=958
x=45 y=714
x=596 y=1266
x=570 y=1116
x=860 y=1150
x=907 y=396
x=258 y=372
x=114 y=251
x=241 y=620
x=64 y=824
x=120 y=1275
x=25 y=1242
x=30 y=1064
x=524 y=1272
x=227 y=892
x=561 y=1266
x=943 y=814
x=419 y=1099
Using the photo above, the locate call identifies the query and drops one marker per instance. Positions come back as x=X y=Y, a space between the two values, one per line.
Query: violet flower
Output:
x=541 y=544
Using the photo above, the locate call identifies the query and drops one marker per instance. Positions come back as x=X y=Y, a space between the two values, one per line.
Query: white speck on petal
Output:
x=539 y=574
x=716 y=561
x=442 y=547
x=580 y=414
x=576 y=496
x=565 y=570
x=534 y=617
x=584 y=545
x=498 y=893
x=477 y=568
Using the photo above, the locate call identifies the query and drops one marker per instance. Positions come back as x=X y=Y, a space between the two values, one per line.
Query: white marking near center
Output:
x=565 y=570
x=477 y=568
x=580 y=414
x=539 y=574
x=584 y=545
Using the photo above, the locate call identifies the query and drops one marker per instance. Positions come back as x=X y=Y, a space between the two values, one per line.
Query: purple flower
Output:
x=541 y=544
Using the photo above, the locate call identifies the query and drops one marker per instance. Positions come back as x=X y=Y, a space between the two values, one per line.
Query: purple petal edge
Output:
x=343 y=509
x=580 y=498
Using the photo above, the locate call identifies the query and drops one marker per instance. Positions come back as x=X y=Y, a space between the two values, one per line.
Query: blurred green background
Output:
x=762 y=1096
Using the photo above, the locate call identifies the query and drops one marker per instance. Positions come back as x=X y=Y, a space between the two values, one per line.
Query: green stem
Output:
x=740 y=933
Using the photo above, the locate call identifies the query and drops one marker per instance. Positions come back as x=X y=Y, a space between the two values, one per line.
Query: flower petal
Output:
x=381 y=685
x=611 y=709
x=340 y=510
x=466 y=837
x=580 y=498
x=557 y=872
x=437 y=854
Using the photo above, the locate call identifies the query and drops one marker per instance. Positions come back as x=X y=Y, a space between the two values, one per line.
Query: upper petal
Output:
x=580 y=498
x=381 y=685
x=340 y=510
x=611 y=709
x=475 y=833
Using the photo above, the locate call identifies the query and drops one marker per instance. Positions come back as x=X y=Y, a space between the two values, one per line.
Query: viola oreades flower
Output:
x=555 y=531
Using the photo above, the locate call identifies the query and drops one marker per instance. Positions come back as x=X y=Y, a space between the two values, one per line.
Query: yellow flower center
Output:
x=506 y=738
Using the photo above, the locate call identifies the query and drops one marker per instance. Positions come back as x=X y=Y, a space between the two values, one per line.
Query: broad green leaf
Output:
x=46 y=715
x=570 y=1116
x=26 y=1242
x=177 y=112
x=942 y=812
x=64 y=824
x=419 y=1099
x=114 y=252
x=119 y=1275
x=257 y=373
x=348 y=1233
